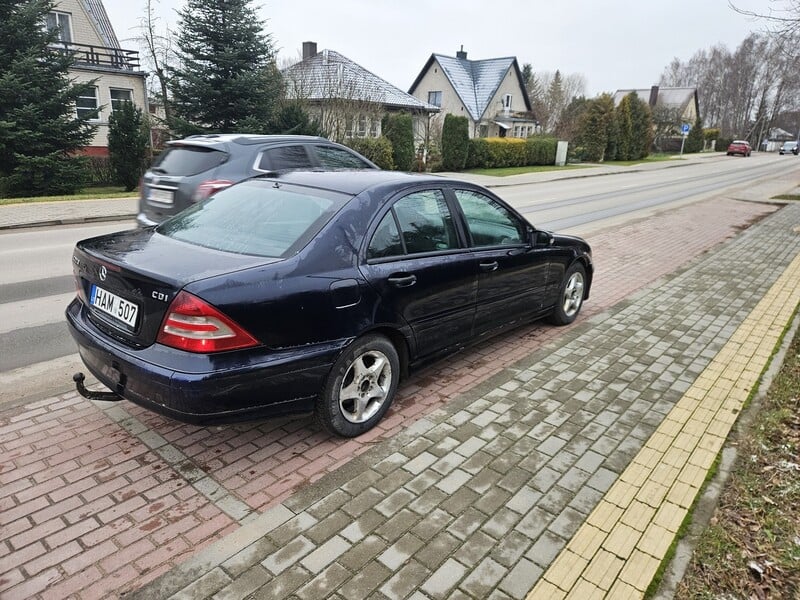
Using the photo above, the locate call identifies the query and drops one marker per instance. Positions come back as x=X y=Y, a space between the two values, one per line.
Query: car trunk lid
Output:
x=129 y=279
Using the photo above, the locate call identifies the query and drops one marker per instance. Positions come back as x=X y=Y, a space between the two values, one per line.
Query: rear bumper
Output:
x=197 y=388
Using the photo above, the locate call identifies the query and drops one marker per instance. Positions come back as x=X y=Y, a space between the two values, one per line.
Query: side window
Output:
x=335 y=158
x=425 y=225
x=284 y=157
x=489 y=223
x=386 y=241
x=425 y=222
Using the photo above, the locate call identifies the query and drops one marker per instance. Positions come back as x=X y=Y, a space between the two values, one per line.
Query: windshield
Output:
x=256 y=218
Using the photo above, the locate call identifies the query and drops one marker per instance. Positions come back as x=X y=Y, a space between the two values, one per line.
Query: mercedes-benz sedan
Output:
x=312 y=292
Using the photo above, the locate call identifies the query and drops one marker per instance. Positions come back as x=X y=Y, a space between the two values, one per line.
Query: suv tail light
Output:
x=194 y=325
x=209 y=188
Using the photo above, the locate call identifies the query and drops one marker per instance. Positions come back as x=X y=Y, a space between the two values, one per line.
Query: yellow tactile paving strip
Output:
x=617 y=551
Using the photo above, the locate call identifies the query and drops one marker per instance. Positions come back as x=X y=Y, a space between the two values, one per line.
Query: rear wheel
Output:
x=360 y=387
x=570 y=296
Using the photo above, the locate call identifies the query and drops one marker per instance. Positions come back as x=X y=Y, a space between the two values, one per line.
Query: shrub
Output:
x=541 y=150
x=55 y=173
x=478 y=155
x=378 y=150
x=455 y=142
x=723 y=143
x=399 y=129
x=506 y=152
x=100 y=171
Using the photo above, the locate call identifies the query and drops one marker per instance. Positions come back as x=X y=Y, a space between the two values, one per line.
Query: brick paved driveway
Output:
x=100 y=499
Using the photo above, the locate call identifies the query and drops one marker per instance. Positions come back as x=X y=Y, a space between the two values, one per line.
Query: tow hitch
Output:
x=79 y=378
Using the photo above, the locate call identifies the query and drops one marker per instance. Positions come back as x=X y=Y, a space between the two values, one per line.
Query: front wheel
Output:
x=360 y=387
x=570 y=296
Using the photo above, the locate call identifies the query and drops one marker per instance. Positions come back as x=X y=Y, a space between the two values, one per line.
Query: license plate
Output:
x=161 y=196
x=114 y=306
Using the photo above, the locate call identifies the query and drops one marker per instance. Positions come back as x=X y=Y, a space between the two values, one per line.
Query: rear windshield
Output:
x=184 y=161
x=255 y=218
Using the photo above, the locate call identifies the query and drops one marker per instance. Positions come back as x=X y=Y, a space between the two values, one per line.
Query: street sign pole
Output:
x=684 y=132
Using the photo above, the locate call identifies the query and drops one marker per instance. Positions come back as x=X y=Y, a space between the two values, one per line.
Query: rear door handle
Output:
x=489 y=266
x=401 y=281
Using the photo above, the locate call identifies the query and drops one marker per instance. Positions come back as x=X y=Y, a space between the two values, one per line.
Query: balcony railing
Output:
x=101 y=56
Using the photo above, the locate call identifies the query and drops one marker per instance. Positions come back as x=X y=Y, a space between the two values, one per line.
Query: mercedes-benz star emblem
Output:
x=103 y=273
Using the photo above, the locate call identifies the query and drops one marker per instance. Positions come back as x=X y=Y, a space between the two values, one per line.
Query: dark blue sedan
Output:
x=312 y=292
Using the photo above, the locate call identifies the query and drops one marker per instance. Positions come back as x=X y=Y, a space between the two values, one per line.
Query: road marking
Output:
x=33 y=312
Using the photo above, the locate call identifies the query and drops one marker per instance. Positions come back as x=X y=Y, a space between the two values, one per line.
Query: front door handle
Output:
x=401 y=281
x=489 y=266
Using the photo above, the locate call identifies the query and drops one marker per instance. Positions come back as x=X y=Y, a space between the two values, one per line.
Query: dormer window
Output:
x=61 y=21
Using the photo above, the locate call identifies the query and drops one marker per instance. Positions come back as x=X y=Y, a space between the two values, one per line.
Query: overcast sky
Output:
x=615 y=44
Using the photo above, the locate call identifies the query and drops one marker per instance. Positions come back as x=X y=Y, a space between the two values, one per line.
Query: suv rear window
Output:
x=256 y=219
x=184 y=161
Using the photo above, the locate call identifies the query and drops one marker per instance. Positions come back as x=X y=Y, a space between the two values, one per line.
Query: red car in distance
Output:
x=739 y=147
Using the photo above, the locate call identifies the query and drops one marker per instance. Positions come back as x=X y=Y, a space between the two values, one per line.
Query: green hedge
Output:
x=495 y=153
x=378 y=150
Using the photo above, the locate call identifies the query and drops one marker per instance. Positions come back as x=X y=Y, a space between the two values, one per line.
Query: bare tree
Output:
x=741 y=92
x=782 y=19
x=158 y=54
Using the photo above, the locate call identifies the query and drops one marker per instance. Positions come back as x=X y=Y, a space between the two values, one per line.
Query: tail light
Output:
x=194 y=325
x=209 y=188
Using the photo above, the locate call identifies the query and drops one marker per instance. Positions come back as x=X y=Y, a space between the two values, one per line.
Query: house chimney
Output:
x=653 y=96
x=309 y=49
x=461 y=53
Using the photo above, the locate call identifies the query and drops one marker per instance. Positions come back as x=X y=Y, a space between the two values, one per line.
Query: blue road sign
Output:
x=685 y=129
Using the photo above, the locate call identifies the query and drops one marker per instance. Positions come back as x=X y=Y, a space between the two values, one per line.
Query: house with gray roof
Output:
x=489 y=92
x=346 y=99
x=84 y=28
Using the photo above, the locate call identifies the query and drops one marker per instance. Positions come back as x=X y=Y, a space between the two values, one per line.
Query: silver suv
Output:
x=194 y=168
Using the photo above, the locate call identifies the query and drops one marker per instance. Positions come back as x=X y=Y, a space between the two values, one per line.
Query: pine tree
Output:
x=641 y=128
x=128 y=141
x=555 y=101
x=625 y=124
x=694 y=141
x=226 y=79
x=39 y=129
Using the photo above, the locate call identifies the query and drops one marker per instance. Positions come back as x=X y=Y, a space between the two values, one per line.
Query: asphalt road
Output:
x=38 y=356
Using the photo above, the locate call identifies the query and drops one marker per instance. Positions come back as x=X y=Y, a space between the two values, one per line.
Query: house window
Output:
x=373 y=128
x=62 y=22
x=484 y=130
x=362 y=125
x=118 y=97
x=507 y=102
x=86 y=105
x=435 y=98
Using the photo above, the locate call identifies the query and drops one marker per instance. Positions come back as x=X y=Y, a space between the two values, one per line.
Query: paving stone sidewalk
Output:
x=479 y=498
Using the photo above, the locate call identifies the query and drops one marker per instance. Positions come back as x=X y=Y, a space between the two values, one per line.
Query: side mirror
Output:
x=542 y=238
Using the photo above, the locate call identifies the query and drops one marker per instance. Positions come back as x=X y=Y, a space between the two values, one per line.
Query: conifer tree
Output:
x=39 y=128
x=694 y=141
x=641 y=128
x=128 y=140
x=226 y=79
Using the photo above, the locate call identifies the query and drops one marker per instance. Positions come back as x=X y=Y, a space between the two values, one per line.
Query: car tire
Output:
x=570 y=296
x=360 y=387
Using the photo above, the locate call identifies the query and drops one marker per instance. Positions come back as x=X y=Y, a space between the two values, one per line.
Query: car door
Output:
x=416 y=262
x=512 y=272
